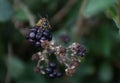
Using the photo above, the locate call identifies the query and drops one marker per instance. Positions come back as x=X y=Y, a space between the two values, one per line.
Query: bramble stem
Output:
x=8 y=75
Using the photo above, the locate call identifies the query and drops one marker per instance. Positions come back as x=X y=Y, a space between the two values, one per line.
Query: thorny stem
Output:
x=41 y=67
x=79 y=22
x=60 y=14
x=61 y=61
x=8 y=75
x=118 y=10
x=45 y=56
x=38 y=64
x=30 y=16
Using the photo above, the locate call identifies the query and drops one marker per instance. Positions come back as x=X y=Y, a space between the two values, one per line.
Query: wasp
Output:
x=43 y=23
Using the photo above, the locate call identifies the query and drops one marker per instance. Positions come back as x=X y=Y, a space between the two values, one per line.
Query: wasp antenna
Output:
x=39 y=15
x=46 y=16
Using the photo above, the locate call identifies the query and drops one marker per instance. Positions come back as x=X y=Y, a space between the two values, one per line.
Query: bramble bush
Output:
x=92 y=23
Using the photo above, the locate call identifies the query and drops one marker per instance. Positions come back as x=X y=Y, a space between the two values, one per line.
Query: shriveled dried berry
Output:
x=64 y=38
x=82 y=51
x=35 y=57
x=36 y=70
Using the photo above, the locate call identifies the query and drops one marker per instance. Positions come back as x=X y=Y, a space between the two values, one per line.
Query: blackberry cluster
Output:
x=37 y=35
x=52 y=71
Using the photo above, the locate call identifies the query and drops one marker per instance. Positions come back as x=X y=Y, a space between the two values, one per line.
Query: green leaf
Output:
x=29 y=76
x=20 y=15
x=6 y=10
x=17 y=67
x=105 y=73
x=112 y=14
x=97 y=6
x=117 y=22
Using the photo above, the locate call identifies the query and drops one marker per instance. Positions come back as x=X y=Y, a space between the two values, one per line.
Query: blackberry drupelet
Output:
x=38 y=36
x=48 y=70
x=51 y=75
x=32 y=35
x=52 y=64
x=47 y=34
x=58 y=74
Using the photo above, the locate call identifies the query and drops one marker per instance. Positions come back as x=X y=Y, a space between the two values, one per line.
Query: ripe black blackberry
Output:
x=52 y=71
x=37 y=34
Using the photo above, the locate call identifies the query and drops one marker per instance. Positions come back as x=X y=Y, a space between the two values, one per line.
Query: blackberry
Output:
x=52 y=71
x=37 y=35
x=55 y=74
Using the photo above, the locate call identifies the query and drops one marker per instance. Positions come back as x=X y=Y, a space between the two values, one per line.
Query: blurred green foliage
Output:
x=96 y=6
x=101 y=37
x=6 y=10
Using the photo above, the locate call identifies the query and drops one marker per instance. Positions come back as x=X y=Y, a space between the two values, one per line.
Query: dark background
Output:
x=94 y=23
